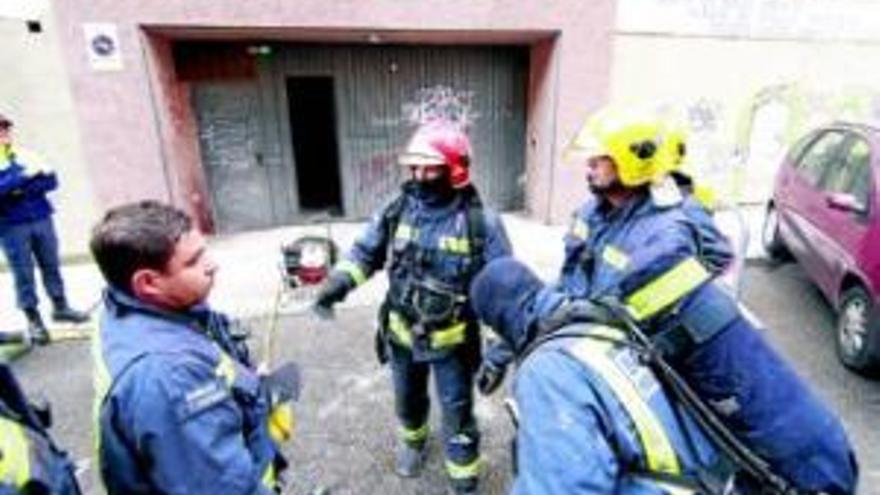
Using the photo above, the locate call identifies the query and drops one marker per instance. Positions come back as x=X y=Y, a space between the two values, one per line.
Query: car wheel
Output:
x=854 y=331
x=770 y=237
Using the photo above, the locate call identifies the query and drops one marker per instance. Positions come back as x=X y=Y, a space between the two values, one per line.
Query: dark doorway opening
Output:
x=315 y=151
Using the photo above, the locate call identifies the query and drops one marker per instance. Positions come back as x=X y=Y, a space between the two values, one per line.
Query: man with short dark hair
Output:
x=28 y=233
x=180 y=407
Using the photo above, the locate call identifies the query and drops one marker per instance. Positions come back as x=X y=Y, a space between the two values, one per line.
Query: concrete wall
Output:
x=35 y=93
x=749 y=77
x=134 y=139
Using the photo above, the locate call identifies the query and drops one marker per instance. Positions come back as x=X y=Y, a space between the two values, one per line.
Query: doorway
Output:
x=312 y=113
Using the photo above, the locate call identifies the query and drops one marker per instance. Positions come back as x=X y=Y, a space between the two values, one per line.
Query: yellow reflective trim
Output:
x=458 y=245
x=580 y=229
x=353 y=270
x=225 y=368
x=659 y=454
x=404 y=232
x=399 y=328
x=447 y=337
x=101 y=381
x=615 y=257
x=15 y=467
x=464 y=471
x=414 y=434
x=666 y=289
x=270 y=480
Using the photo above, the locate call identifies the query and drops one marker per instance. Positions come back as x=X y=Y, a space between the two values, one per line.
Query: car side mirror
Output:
x=846 y=202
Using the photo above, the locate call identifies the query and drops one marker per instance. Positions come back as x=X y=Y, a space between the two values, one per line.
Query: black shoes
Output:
x=36 y=328
x=410 y=459
x=67 y=314
x=465 y=486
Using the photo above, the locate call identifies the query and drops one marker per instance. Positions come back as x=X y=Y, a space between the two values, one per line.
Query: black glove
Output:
x=334 y=291
x=489 y=378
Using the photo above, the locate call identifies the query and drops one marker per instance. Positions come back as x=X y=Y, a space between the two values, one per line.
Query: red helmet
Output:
x=440 y=143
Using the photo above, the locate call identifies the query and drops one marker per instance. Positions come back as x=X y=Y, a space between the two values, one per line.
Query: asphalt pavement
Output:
x=346 y=428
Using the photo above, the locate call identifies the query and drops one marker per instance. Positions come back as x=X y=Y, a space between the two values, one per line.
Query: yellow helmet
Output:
x=675 y=149
x=633 y=141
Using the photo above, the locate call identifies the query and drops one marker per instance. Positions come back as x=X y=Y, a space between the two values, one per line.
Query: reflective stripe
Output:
x=615 y=257
x=399 y=328
x=659 y=454
x=405 y=232
x=464 y=471
x=101 y=381
x=447 y=337
x=666 y=289
x=458 y=245
x=270 y=479
x=353 y=270
x=414 y=434
x=15 y=468
x=225 y=368
x=580 y=229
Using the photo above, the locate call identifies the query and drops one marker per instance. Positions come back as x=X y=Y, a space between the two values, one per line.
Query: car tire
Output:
x=770 y=237
x=854 y=335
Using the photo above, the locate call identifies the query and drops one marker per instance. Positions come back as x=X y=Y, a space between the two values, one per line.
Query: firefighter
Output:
x=30 y=461
x=592 y=417
x=633 y=245
x=180 y=407
x=432 y=239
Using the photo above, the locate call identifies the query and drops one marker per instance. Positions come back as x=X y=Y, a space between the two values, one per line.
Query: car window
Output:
x=820 y=154
x=852 y=173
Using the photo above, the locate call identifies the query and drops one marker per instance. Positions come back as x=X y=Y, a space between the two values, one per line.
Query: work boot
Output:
x=466 y=486
x=410 y=459
x=36 y=328
x=64 y=313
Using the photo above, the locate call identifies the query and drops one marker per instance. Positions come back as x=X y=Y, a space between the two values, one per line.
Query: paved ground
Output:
x=801 y=326
x=346 y=430
x=345 y=434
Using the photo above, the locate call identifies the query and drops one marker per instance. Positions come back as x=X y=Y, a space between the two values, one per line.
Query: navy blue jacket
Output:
x=429 y=242
x=23 y=194
x=651 y=260
x=180 y=409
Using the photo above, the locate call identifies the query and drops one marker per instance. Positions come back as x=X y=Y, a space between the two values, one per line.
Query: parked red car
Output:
x=825 y=211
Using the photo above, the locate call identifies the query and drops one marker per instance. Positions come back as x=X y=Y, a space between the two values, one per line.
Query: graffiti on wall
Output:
x=441 y=102
x=736 y=147
x=378 y=173
x=788 y=19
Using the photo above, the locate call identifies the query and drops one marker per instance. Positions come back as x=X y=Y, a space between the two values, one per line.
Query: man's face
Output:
x=427 y=173
x=188 y=276
x=602 y=175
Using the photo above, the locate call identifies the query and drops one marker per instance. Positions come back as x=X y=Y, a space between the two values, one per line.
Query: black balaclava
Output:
x=435 y=192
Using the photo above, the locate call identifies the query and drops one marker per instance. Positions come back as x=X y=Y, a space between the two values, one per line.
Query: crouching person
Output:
x=179 y=406
x=592 y=418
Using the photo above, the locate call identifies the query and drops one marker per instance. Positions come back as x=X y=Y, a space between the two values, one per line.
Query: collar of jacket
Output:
x=439 y=210
x=121 y=303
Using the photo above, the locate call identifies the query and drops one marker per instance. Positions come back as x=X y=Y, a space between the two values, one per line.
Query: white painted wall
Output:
x=35 y=93
x=711 y=58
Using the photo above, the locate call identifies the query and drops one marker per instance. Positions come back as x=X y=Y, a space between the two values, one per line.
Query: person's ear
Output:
x=146 y=284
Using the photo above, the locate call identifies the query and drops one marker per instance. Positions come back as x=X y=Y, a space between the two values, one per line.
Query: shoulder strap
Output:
x=476 y=227
x=392 y=213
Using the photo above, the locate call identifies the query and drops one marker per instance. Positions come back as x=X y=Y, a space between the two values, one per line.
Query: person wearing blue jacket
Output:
x=28 y=234
x=433 y=238
x=179 y=406
x=643 y=252
x=591 y=417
